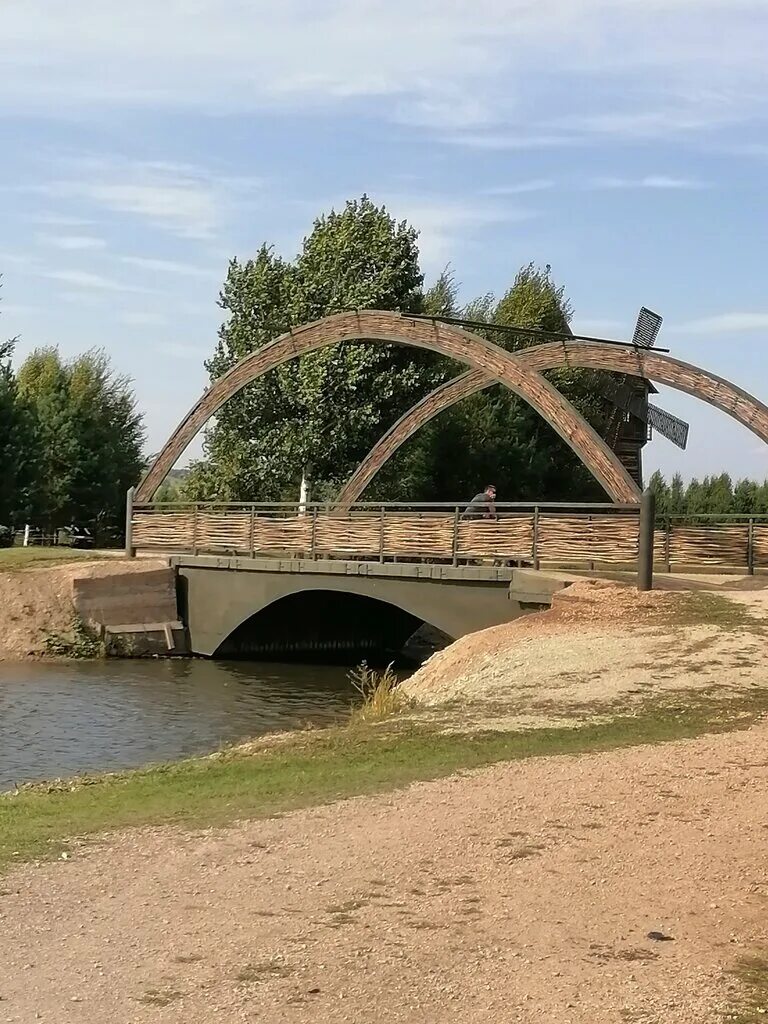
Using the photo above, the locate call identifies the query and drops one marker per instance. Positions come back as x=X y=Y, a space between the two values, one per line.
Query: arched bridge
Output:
x=343 y=611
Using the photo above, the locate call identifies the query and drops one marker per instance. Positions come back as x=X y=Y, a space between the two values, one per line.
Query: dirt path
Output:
x=522 y=893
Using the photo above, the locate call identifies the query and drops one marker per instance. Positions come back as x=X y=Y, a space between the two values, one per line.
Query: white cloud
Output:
x=171 y=267
x=522 y=187
x=727 y=323
x=680 y=65
x=139 y=318
x=509 y=140
x=185 y=200
x=442 y=221
x=88 y=281
x=72 y=243
x=652 y=181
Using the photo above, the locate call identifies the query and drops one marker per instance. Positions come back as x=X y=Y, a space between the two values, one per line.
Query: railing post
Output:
x=645 y=540
x=313 y=536
x=751 y=547
x=455 y=539
x=668 y=544
x=130 y=550
x=381 y=536
x=535 y=542
x=252 y=533
x=194 y=528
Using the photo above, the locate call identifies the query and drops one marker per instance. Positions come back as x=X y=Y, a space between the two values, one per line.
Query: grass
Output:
x=752 y=974
x=19 y=559
x=314 y=768
x=381 y=695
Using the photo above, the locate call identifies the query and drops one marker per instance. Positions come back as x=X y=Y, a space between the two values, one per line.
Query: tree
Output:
x=87 y=436
x=319 y=414
x=658 y=485
x=14 y=442
x=494 y=436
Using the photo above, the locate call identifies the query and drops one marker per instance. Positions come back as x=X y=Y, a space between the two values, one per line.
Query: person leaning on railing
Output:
x=482 y=505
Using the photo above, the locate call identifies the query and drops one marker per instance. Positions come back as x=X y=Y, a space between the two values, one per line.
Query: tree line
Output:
x=714 y=495
x=71 y=440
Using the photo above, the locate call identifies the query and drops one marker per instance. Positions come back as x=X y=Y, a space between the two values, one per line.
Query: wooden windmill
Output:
x=631 y=417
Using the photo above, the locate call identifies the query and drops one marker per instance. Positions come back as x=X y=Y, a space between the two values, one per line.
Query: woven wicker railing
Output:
x=544 y=535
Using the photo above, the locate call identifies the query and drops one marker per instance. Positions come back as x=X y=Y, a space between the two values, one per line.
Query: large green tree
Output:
x=317 y=416
x=86 y=434
x=494 y=436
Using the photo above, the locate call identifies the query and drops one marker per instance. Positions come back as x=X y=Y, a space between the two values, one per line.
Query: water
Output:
x=60 y=720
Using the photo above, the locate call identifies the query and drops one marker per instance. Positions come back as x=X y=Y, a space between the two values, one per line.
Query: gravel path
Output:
x=522 y=893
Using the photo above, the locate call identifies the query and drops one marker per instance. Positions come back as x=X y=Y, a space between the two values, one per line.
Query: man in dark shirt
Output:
x=482 y=505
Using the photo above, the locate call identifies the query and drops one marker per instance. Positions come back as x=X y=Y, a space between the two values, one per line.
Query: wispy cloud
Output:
x=179 y=350
x=521 y=188
x=652 y=181
x=90 y=282
x=509 y=140
x=185 y=200
x=442 y=220
x=726 y=323
x=171 y=267
x=71 y=243
x=140 y=318
x=459 y=65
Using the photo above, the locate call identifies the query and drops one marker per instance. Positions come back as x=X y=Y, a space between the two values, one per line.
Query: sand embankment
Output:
x=601 y=645
x=37 y=602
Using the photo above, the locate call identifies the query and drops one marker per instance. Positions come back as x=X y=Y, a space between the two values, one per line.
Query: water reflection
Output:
x=58 y=720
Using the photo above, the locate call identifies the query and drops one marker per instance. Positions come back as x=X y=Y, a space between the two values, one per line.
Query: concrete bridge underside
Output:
x=267 y=608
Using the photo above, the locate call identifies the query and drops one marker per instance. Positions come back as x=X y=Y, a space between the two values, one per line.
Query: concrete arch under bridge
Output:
x=241 y=607
x=519 y=371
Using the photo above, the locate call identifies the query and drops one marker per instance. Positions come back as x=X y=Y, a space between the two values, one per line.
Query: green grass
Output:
x=314 y=768
x=18 y=559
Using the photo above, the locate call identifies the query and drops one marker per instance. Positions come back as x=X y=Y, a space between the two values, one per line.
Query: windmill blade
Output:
x=647 y=328
x=669 y=426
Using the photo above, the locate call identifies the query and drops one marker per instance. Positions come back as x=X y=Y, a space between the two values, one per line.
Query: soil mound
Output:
x=600 y=643
x=37 y=602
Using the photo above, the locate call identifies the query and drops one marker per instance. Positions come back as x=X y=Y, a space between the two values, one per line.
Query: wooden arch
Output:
x=390 y=328
x=663 y=369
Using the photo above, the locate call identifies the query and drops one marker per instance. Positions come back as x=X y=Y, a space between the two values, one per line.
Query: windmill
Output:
x=632 y=418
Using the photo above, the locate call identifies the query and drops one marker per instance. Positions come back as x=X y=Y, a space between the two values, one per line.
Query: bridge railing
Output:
x=535 y=534
x=546 y=534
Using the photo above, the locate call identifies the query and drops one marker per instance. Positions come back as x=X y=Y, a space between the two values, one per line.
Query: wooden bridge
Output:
x=574 y=536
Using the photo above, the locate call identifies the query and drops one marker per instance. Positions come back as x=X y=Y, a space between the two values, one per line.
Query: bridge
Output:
x=282 y=581
x=243 y=568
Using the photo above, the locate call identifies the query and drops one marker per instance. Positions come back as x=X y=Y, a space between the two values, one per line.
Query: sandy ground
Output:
x=37 y=602
x=522 y=893
x=601 y=646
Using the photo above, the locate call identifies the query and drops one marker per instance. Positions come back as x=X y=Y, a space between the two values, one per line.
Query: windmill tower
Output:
x=631 y=417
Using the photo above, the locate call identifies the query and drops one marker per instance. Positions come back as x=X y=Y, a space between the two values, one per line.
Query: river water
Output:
x=58 y=720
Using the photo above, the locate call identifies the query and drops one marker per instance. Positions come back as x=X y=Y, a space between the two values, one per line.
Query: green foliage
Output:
x=318 y=415
x=81 y=643
x=494 y=435
x=714 y=495
x=84 y=440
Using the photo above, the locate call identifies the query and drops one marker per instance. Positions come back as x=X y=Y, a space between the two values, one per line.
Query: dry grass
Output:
x=752 y=974
x=381 y=694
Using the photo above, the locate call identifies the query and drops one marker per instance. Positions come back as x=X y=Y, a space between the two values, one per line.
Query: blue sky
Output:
x=622 y=141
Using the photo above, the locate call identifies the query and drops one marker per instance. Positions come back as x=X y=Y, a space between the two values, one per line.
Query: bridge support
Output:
x=646 y=538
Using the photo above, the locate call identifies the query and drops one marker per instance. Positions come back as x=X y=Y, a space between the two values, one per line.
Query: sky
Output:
x=623 y=142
